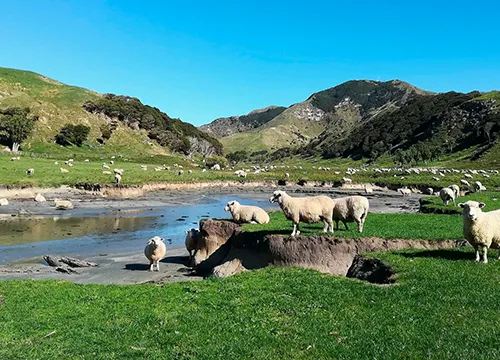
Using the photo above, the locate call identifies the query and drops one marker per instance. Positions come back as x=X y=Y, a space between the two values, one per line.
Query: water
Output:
x=112 y=233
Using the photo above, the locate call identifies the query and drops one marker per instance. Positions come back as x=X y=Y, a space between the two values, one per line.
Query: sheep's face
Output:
x=230 y=206
x=472 y=209
x=155 y=241
x=277 y=197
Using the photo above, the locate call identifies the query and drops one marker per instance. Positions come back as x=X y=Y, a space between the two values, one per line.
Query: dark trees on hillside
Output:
x=72 y=135
x=15 y=126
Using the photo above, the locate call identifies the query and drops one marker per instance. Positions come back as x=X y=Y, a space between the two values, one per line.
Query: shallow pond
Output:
x=112 y=232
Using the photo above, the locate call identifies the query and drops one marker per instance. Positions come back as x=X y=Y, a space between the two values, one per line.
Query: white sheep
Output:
x=118 y=178
x=86 y=160
x=180 y=172
x=456 y=190
x=64 y=171
x=155 y=250
x=429 y=191
x=404 y=191
x=215 y=167
x=447 y=194
x=306 y=209
x=478 y=187
x=246 y=213
x=63 y=204
x=40 y=198
x=192 y=236
x=119 y=171
x=368 y=189
x=190 y=171
x=468 y=176
x=30 y=171
x=4 y=202
x=481 y=229
x=351 y=209
x=347 y=180
x=464 y=182
x=104 y=166
x=106 y=172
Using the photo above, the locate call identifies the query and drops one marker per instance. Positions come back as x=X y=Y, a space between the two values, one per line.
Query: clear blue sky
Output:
x=199 y=60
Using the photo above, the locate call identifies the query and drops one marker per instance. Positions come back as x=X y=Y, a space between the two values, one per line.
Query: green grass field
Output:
x=431 y=204
x=444 y=307
x=387 y=226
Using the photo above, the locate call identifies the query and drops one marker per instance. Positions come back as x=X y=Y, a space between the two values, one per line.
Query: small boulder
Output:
x=40 y=198
x=4 y=202
x=63 y=205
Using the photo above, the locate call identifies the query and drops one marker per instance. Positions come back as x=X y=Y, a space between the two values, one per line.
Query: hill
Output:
x=131 y=127
x=227 y=126
x=333 y=112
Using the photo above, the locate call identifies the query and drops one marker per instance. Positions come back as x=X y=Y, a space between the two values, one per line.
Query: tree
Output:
x=15 y=126
x=72 y=135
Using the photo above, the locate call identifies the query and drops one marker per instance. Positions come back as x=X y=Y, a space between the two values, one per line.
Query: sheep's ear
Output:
x=462 y=205
x=482 y=205
x=162 y=239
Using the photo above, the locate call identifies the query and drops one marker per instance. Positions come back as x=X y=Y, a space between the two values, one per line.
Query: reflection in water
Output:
x=22 y=231
x=111 y=234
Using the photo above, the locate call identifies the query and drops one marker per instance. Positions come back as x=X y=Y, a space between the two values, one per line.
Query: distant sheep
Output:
x=106 y=172
x=63 y=204
x=215 y=167
x=306 y=209
x=190 y=171
x=30 y=171
x=40 y=198
x=246 y=213
x=478 y=187
x=351 y=209
x=4 y=202
x=468 y=176
x=180 y=172
x=429 y=191
x=104 y=166
x=404 y=191
x=64 y=171
x=447 y=194
x=456 y=190
x=119 y=171
x=155 y=250
x=118 y=179
x=481 y=229
x=346 y=180
x=464 y=182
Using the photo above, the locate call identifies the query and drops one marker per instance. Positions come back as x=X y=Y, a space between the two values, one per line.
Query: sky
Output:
x=200 y=60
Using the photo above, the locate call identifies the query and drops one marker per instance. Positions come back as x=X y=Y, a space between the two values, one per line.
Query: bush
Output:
x=238 y=156
x=212 y=160
x=15 y=126
x=72 y=135
x=106 y=132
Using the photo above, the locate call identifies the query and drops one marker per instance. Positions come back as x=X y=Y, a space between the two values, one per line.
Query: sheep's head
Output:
x=472 y=209
x=192 y=232
x=231 y=205
x=277 y=197
x=155 y=241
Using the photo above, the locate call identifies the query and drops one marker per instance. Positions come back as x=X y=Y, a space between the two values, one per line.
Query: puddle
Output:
x=112 y=232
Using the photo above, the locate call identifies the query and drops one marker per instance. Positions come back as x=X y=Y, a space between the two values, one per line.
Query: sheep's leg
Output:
x=295 y=229
x=157 y=265
x=485 y=254
x=330 y=226
x=151 y=266
x=476 y=249
x=337 y=225
x=345 y=224
x=325 y=226
x=360 y=225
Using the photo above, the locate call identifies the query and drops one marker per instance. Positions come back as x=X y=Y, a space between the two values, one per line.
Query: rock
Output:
x=4 y=202
x=40 y=198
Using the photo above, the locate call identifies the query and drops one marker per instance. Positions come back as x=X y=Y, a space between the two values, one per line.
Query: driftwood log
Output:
x=65 y=264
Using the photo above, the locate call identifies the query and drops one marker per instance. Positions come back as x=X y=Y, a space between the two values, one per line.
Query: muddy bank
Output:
x=112 y=269
x=224 y=250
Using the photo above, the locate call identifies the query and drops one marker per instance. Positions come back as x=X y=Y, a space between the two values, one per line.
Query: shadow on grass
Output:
x=450 y=254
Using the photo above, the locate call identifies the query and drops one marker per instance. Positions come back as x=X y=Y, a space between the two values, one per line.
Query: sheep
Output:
x=4 y=202
x=64 y=171
x=478 y=187
x=40 y=198
x=404 y=191
x=346 y=180
x=30 y=171
x=246 y=214
x=429 y=191
x=203 y=170
x=180 y=172
x=215 y=167
x=308 y=209
x=119 y=171
x=70 y=164
x=155 y=250
x=144 y=167
x=464 y=182
x=368 y=189
x=456 y=190
x=104 y=166
x=481 y=229
x=192 y=236
x=468 y=176
x=158 y=168
x=118 y=179
x=106 y=172
x=351 y=209
x=287 y=175
x=63 y=204
x=56 y=163
x=86 y=160
x=447 y=194
x=435 y=178
x=190 y=171
x=112 y=162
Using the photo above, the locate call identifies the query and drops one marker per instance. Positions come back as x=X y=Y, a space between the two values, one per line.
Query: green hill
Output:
x=57 y=104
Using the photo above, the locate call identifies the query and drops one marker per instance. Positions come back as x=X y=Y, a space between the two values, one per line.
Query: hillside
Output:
x=333 y=113
x=227 y=126
x=56 y=104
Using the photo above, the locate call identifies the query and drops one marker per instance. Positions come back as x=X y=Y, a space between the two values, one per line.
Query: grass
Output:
x=434 y=204
x=445 y=307
x=387 y=226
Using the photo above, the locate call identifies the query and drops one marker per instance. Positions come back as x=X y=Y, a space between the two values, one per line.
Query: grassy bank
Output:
x=387 y=226
x=48 y=174
x=444 y=308
x=434 y=204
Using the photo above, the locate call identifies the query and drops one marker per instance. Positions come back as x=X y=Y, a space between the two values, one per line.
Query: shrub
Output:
x=212 y=160
x=72 y=135
x=15 y=126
